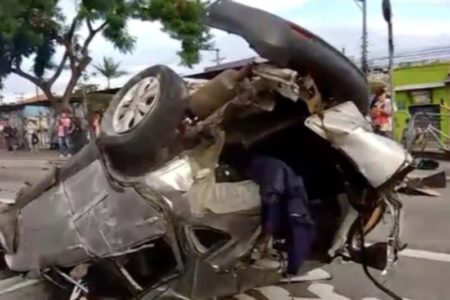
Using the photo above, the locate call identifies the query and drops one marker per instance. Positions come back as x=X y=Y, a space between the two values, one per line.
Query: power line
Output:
x=445 y=50
x=422 y=50
x=417 y=52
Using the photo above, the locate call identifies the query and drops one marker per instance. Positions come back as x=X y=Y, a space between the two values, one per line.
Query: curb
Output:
x=29 y=163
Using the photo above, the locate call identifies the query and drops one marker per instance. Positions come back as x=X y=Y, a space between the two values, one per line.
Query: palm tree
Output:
x=109 y=69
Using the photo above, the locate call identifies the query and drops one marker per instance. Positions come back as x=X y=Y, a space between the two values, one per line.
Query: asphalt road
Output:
x=16 y=174
x=422 y=273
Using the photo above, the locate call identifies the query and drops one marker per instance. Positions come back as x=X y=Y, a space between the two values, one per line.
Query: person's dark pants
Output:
x=284 y=209
x=9 y=144
x=301 y=237
x=298 y=230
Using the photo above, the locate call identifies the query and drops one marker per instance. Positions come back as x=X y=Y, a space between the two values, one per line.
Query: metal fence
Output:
x=428 y=132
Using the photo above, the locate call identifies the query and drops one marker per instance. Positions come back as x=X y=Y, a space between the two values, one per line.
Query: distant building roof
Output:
x=111 y=91
x=40 y=99
x=34 y=99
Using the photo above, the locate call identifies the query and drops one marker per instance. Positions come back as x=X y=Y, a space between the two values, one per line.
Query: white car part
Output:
x=378 y=158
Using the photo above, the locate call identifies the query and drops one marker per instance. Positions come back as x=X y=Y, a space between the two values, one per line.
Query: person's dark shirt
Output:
x=8 y=131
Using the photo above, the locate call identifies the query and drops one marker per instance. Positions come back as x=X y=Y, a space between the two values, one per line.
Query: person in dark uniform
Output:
x=8 y=133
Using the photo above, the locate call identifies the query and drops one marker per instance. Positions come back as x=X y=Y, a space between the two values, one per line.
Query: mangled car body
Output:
x=158 y=207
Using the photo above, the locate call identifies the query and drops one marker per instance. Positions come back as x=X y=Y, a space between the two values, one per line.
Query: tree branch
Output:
x=101 y=27
x=89 y=25
x=77 y=64
x=27 y=76
x=43 y=85
x=67 y=41
x=72 y=28
x=69 y=88
x=92 y=34
x=69 y=53
x=59 y=69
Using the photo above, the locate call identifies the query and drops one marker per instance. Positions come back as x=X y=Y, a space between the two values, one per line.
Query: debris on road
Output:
x=436 y=180
x=428 y=164
x=415 y=187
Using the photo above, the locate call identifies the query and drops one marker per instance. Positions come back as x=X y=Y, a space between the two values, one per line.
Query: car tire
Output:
x=142 y=119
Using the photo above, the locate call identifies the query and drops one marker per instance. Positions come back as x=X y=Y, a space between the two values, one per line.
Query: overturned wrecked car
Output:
x=162 y=205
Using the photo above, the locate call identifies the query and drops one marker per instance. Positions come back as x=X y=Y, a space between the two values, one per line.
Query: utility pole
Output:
x=364 y=61
x=387 y=14
x=218 y=59
x=21 y=96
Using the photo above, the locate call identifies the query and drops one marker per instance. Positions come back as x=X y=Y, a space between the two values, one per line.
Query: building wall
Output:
x=421 y=74
x=37 y=110
x=40 y=119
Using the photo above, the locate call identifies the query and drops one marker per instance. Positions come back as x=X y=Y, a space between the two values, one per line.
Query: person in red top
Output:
x=381 y=112
x=64 y=129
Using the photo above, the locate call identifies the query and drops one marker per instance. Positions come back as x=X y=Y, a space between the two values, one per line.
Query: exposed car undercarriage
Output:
x=218 y=208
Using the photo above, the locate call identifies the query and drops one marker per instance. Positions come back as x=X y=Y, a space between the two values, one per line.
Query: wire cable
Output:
x=365 y=267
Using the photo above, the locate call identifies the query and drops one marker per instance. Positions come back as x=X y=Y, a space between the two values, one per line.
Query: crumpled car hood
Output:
x=378 y=158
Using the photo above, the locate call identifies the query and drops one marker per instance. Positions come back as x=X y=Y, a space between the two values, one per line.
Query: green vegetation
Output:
x=109 y=69
x=35 y=29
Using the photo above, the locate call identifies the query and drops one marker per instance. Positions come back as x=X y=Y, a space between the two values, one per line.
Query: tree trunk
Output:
x=65 y=101
x=51 y=98
x=108 y=83
x=59 y=106
x=64 y=105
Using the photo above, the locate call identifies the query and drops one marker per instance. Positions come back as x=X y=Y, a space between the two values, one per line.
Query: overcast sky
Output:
x=418 y=24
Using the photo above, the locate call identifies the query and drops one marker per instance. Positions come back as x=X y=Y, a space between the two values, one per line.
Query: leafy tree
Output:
x=35 y=29
x=109 y=69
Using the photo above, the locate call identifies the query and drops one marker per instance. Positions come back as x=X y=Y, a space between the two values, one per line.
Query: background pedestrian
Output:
x=64 y=130
x=381 y=113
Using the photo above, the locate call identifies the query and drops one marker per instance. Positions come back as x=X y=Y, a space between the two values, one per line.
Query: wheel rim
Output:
x=137 y=103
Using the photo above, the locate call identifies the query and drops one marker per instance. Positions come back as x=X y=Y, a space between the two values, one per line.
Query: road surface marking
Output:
x=243 y=297
x=313 y=275
x=320 y=291
x=423 y=254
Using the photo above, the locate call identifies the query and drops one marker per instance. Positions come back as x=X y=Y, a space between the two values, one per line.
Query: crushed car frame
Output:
x=155 y=209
